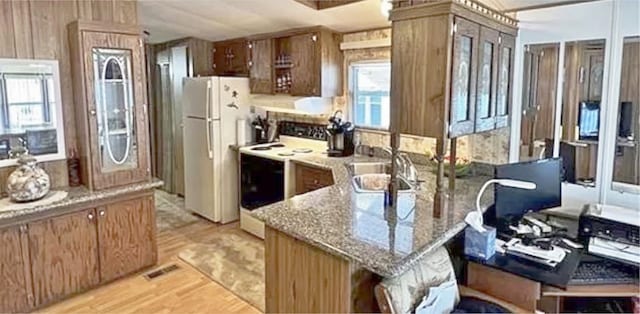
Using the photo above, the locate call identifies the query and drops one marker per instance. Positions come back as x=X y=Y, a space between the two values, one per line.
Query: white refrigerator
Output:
x=211 y=107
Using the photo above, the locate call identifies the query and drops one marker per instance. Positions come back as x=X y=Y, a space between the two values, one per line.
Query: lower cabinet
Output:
x=126 y=232
x=46 y=260
x=311 y=178
x=64 y=255
x=15 y=292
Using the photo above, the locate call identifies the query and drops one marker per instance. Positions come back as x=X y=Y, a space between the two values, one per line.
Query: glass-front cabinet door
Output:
x=486 y=85
x=463 y=78
x=117 y=109
x=504 y=90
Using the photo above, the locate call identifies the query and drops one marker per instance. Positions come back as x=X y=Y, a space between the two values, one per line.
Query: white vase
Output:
x=28 y=182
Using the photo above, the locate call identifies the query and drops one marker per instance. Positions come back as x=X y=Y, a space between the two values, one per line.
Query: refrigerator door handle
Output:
x=209 y=120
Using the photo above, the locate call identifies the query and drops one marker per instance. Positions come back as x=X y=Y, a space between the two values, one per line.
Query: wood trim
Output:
x=100 y=27
x=629 y=290
x=366 y=44
x=446 y=7
x=511 y=288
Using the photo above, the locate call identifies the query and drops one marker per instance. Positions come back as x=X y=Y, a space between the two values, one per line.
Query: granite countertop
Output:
x=76 y=196
x=357 y=227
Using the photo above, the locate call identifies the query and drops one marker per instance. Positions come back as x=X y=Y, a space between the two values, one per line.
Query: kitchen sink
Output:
x=378 y=182
x=360 y=168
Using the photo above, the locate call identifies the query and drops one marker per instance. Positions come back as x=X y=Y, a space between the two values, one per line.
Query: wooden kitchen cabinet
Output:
x=64 y=255
x=16 y=293
x=126 y=233
x=231 y=58
x=305 y=80
x=111 y=103
x=261 y=66
x=311 y=178
x=302 y=62
x=460 y=82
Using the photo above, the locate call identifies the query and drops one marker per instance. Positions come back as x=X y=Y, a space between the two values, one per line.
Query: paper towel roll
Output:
x=241 y=132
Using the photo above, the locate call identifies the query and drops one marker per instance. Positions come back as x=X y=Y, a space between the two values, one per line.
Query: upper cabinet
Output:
x=230 y=58
x=460 y=82
x=111 y=103
x=304 y=62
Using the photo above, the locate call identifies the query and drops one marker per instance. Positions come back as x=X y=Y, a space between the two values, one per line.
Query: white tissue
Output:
x=475 y=220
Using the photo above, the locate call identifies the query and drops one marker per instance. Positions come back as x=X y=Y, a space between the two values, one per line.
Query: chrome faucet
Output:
x=406 y=168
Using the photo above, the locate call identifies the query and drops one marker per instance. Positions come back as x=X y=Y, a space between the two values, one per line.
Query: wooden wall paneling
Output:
x=22 y=29
x=261 y=78
x=7 y=43
x=547 y=78
x=303 y=279
x=85 y=12
x=102 y=10
x=126 y=233
x=420 y=89
x=125 y=11
x=64 y=255
x=15 y=291
x=571 y=92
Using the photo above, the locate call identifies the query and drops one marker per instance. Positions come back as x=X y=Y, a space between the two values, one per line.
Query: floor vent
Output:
x=160 y=272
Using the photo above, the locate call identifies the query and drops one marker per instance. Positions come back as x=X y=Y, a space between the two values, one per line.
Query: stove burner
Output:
x=302 y=150
x=276 y=145
x=286 y=154
x=262 y=148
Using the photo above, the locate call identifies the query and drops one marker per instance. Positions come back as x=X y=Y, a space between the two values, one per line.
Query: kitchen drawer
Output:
x=311 y=178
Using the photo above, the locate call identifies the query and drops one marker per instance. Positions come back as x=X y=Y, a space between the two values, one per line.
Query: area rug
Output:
x=171 y=213
x=233 y=259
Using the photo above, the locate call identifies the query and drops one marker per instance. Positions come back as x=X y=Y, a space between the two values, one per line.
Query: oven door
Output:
x=262 y=181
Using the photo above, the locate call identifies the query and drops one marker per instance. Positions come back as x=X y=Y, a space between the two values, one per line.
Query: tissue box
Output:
x=480 y=244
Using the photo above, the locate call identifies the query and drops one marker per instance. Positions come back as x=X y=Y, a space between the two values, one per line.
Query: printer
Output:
x=611 y=231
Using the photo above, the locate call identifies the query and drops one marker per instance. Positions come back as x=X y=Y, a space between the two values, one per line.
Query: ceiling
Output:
x=224 y=19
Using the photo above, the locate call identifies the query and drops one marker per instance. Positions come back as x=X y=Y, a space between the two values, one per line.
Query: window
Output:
x=25 y=100
x=371 y=83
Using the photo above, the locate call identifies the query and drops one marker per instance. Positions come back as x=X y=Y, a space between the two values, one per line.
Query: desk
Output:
x=532 y=295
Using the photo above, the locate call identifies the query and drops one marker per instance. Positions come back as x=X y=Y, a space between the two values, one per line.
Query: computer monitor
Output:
x=513 y=202
x=589 y=120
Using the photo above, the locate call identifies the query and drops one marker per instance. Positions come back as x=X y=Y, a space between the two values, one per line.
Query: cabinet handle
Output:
x=90 y=216
x=102 y=213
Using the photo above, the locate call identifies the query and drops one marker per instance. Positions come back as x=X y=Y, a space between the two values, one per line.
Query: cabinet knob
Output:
x=92 y=112
x=314 y=38
x=315 y=181
x=90 y=216
x=102 y=213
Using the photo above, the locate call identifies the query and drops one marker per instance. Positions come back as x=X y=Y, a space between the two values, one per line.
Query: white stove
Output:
x=271 y=177
x=287 y=147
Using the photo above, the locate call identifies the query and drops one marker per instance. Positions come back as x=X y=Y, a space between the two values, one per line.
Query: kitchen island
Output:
x=325 y=250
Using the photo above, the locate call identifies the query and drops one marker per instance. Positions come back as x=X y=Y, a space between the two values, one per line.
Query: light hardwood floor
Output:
x=181 y=291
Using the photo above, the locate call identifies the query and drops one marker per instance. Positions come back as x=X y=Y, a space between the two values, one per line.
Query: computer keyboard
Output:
x=601 y=272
